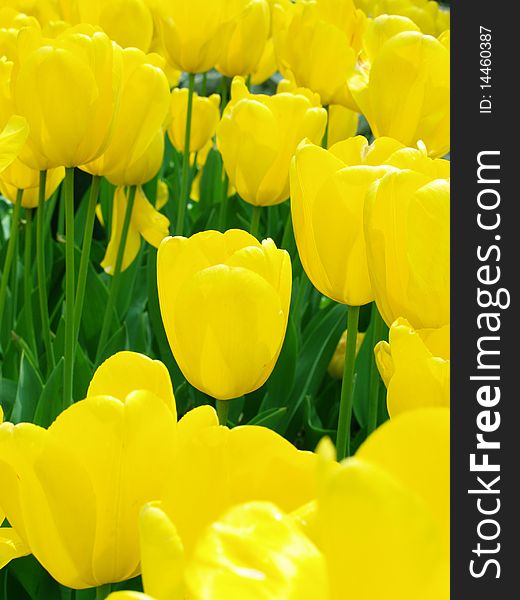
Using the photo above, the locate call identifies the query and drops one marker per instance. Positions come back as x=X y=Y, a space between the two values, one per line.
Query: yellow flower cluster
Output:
x=160 y=105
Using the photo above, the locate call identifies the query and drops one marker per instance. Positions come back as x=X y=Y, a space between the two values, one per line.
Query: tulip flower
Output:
x=130 y=23
x=245 y=43
x=407 y=232
x=224 y=302
x=427 y=14
x=398 y=490
x=73 y=491
x=415 y=367
x=406 y=93
x=317 y=44
x=204 y=120
x=142 y=111
x=258 y=136
x=146 y=221
x=193 y=32
x=20 y=177
x=67 y=89
x=328 y=189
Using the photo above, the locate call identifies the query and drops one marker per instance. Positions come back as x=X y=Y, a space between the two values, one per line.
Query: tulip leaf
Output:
x=269 y=418
x=7 y=395
x=115 y=344
x=51 y=399
x=364 y=362
x=313 y=426
x=28 y=393
x=321 y=337
x=34 y=579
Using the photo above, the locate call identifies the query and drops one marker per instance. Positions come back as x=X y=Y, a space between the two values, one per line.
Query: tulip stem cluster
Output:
x=41 y=272
x=11 y=246
x=116 y=279
x=347 y=386
x=185 y=191
x=69 y=287
x=85 y=253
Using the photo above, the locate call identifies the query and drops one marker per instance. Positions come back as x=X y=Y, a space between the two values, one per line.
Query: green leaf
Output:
x=30 y=387
x=269 y=418
x=313 y=426
x=51 y=398
x=7 y=395
x=35 y=580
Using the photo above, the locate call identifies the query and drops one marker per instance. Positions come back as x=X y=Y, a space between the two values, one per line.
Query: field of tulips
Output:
x=224 y=299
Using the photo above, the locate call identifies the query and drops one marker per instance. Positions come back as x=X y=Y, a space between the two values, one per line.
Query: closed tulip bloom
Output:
x=224 y=302
x=67 y=89
x=20 y=177
x=73 y=491
x=146 y=221
x=415 y=367
x=328 y=189
x=407 y=232
x=406 y=92
x=317 y=44
x=193 y=32
x=204 y=119
x=246 y=41
x=337 y=363
x=142 y=111
x=258 y=136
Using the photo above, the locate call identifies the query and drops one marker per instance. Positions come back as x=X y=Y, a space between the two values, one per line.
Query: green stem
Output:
x=41 y=274
x=223 y=203
x=255 y=221
x=347 y=387
x=223 y=411
x=373 y=394
x=185 y=188
x=116 y=278
x=85 y=253
x=11 y=247
x=103 y=591
x=70 y=278
x=28 y=280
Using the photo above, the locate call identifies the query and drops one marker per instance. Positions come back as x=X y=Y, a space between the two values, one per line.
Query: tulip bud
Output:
x=193 y=32
x=67 y=89
x=328 y=189
x=258 y=136
x=407 y=231
x=204 y=119
x=406 y=93
x=415 y=367
x=20 y=177
x=246 y=41
x=317 y=45
x=337 y=363
x=142 y=110
x=224 y=301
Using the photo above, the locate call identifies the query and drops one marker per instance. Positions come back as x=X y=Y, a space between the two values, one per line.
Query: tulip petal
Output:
x=150 y=223
x=12 y=140
x=11 y=546
x=255 y=551
x=126 y=372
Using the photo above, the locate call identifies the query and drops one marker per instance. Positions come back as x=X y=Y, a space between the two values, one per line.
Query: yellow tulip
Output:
x=20 y=177
x=406 y=92
x=224 y=302
x=73 y=491
x=67 y=89
x=396 y=486
x=204 y=119
x=246 y=41
x=415 y=367
x=42 y=10
x=193 y=32
x=128 y=22
x=317 y=44
x=12 y=139
x=266 y=66
x=146 y=221
x=258 y=136
x=328 y=189
x=142 y=111
x=407 y=232
x=427 y=14
x=336 y=365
